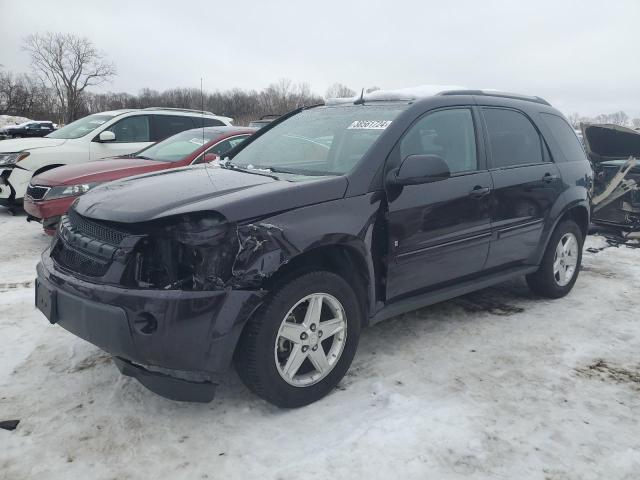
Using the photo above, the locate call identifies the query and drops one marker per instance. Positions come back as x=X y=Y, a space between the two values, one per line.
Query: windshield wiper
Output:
x=262 y=172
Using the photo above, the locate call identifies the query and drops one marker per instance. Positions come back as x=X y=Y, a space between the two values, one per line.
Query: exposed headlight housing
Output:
x=188 y=252
x=7 y=159
x=69 y=190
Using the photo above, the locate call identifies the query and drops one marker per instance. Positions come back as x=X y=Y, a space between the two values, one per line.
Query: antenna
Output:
x=202 y=109
x=360 y=101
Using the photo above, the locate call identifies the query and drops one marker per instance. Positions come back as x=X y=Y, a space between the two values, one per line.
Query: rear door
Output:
x=526 y=184
x=439 y=231
x=132 y=133
x=164 y=126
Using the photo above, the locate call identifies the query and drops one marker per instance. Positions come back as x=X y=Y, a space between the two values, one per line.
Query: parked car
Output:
x=263 y=121
x=50 y=194
x=615 y=154
x=102 y=135
x=31 y=128
x=279 y=257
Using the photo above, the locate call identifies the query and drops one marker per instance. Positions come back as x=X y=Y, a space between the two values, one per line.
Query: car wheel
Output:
x=16 y=136
x=302 y=341
x=561 y=262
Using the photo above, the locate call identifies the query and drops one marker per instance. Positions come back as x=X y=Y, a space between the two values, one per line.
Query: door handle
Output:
x=549 y=178
x=479 y=192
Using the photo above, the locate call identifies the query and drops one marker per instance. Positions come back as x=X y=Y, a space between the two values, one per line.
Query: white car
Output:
x=97 y=136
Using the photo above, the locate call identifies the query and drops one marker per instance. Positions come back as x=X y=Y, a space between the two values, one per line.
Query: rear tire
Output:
x=284 y=356
x=561 y=262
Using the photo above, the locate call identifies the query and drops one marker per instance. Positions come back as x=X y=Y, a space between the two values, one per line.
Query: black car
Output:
x=329 y=220
x=28 y=129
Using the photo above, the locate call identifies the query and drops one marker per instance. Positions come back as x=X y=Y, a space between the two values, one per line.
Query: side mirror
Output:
x=210 y=157
x=418 y=169
x=107 y=136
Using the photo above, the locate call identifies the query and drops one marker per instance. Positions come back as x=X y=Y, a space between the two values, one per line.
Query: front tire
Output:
x=300 y=344
x=561 y=262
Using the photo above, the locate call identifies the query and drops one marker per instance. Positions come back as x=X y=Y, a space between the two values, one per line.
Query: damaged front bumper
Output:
x=175 y=342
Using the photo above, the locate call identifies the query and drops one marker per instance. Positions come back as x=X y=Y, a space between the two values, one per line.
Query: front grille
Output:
x=79 y=262
x=95 y=230
x=36 y=192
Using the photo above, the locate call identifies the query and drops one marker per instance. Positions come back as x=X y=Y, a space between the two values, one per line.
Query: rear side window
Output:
x=200 y=122
x=513 y=138
x=131 y=129
x=449 y=134
x=166 y=125
x=566 y=137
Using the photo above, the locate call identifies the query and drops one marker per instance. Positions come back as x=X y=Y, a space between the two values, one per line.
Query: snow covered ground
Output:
x=497 y=384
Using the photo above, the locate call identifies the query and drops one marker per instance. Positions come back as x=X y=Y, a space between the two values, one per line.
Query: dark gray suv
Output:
x=330 y=219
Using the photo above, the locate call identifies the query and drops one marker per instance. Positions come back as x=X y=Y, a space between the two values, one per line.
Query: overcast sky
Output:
x=582 y=56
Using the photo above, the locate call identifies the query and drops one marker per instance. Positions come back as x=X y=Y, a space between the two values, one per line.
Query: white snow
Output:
x=10 y=120
x=496 y=384
x=408 y=93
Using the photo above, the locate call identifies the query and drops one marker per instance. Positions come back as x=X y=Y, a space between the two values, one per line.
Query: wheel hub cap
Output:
x=565 y=260
x=311 y=339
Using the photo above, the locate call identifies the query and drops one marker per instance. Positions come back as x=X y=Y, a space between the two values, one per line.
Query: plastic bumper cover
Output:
x=176 y=343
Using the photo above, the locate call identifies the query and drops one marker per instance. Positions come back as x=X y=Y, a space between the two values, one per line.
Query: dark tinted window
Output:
x=200 y=122
x=565 y=136
x=449 y=134
x=166 y=125
x=227 y=145
x=513 y=138
x=131 y=129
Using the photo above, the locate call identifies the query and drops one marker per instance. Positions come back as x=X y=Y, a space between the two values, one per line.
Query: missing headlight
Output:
x=191 y=252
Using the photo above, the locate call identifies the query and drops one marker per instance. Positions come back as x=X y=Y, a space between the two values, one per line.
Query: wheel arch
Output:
x=576 y=211
x=342 y=259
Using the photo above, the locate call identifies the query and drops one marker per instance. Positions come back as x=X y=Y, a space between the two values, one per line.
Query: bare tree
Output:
x=339 y=90
x=68 y=64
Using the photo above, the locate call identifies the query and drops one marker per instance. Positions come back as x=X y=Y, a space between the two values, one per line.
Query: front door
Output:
x=439 y=231
x=132 y=135
x=526 y=185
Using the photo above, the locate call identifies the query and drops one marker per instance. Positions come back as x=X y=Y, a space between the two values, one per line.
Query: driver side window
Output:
x=131 y=129
x=450 y=134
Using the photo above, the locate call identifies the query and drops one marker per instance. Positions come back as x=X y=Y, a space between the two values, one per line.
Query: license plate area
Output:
x=46 y=301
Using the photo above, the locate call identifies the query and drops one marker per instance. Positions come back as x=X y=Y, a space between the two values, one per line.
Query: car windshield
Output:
x=319 y=141
x=81 y=127
x=177 y=147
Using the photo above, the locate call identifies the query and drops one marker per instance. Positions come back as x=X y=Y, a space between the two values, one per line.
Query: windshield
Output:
x=177 y=147
x=81 y=127
x=318 y=141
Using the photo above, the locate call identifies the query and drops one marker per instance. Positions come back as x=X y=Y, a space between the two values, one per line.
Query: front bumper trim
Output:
x=166 y=386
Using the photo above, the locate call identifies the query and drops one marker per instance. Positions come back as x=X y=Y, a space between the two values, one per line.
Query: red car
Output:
x=51 y=193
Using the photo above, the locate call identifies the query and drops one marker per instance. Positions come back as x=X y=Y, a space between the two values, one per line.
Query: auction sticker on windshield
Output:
x=369 y=125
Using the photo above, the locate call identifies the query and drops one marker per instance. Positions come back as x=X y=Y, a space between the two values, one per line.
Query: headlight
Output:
x=191 y=252
x=69 y=190
x=12 y=158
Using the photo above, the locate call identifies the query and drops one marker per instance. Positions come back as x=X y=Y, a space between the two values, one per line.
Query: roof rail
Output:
x=187 y=110
x=496 y=93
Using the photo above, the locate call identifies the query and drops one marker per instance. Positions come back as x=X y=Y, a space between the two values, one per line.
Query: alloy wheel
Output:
x=310 y=340
x=565 y=260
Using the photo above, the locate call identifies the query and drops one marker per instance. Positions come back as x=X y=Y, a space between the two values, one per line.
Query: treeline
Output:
x=22 y=95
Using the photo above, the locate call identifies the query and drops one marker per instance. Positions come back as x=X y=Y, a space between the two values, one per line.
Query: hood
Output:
x=98 y=171
x=610 y=142
x=21 y=144
x=235 y=194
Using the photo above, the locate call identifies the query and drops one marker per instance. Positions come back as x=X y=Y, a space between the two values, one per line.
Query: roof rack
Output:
x=496 y=93
x=187 y=110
